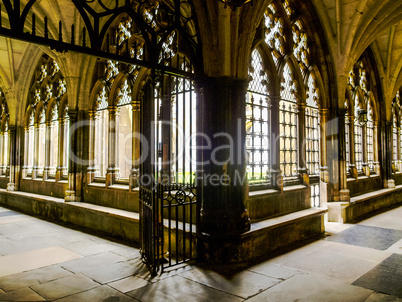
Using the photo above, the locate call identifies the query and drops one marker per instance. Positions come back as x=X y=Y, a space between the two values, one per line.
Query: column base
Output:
x=389 y=183
x=111 y=175
x=11 y=186
x=70 y=195
x=337 y=211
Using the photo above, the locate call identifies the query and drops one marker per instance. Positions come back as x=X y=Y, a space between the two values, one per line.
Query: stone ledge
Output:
x=108 y=221
x=264 y=238
x=364 y=204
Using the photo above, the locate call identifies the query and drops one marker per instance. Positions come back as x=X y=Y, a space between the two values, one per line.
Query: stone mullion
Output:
x=60 y=153
x=323 y=145
x=352 y=156
x=91 y=170
x=301 y=144
x=112 y=171
x=276 y=173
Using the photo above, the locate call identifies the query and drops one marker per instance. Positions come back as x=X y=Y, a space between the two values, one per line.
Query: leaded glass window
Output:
x=370 y=137
x=257 y=122
x=54 y=140
x=41 y=143
x=358 y=135
x=312 y=130
x=288 y=125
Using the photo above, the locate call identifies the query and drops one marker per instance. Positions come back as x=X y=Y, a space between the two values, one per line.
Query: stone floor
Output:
x=42 y=261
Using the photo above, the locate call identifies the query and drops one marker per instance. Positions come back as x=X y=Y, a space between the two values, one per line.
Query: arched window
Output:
x=288 y=124
x=44 y=146
x=258 y=122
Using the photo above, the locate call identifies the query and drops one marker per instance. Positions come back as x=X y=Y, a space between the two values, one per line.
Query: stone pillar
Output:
x=323 y=145
x=276 y=173
x=61 y=144
x=135 y=141
x=221 y=174
x=352 y=158
x=387 y=140
x=13 y=158
x=25 y=167
x=91 y=170
x=343 y=184
x=112 y=172
x=301 y=148
x=324 y=177
x=46 y=169
x=71 y=193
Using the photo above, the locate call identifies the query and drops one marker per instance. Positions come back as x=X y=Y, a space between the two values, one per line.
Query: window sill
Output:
x=97 y=184
x=120 y=187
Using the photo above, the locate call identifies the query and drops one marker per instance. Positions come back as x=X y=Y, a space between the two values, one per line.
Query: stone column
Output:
x=12 y=158
x=221 y=174
x=324 y=175
x=60 y=154
x=91 y=170
x=71 y=193
x=387 y=157
x=2 y=159
x=112 y=172
x=46 y=169
x=343 y=184
x=323 y=145
x=352 y=158
x=301 y=148
x=276 y=173
x=135 y=141
x=26 y=154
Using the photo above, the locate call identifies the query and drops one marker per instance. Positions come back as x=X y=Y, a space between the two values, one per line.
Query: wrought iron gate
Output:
x=168 y=203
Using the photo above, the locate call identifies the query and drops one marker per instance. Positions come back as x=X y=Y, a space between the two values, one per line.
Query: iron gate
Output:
x=168 y=203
